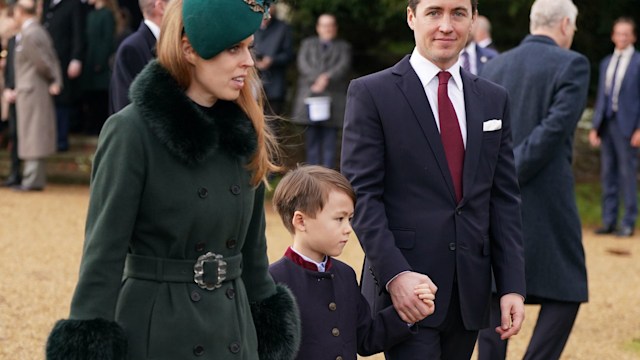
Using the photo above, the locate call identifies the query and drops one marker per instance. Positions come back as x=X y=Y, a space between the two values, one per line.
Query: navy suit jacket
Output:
x=628 y=115
x=406 y=214
x=483 y=55
x=133 y=54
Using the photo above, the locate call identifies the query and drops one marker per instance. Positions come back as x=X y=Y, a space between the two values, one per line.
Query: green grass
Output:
x=588 y=197
x=633 y=346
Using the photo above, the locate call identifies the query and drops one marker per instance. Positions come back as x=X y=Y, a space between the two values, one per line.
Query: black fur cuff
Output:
x=277 y=322
x=96 y=339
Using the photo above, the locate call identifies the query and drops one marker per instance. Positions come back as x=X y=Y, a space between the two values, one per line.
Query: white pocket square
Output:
x=492 y=125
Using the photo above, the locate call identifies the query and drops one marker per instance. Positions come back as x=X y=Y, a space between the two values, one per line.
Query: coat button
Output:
x=195 y=296
x=231 y=243
x=230 y=293
x=198 y=350
x=452 y=246
x=203 y=193
x=338 y=357
x=199 y=247
x=332 y=306
x=235 y=189
x=335 y=332
x=234 y=347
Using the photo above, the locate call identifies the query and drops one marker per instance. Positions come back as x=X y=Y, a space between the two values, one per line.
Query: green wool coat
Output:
x=170 y=181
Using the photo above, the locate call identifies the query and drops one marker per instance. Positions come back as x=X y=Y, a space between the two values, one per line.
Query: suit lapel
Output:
x=410 y=85
x=473 y=107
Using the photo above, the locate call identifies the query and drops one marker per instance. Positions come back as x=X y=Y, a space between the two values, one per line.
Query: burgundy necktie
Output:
x=450 y=133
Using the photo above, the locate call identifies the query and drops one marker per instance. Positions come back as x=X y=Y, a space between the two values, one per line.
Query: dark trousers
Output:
x=321 y=144
x=618 y=174
x=449 y=341
x=63 y=118
x=95 y=110
x=15 y=176
x=550 y=335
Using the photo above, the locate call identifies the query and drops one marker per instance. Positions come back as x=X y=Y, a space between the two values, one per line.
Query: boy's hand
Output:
x=427 y=294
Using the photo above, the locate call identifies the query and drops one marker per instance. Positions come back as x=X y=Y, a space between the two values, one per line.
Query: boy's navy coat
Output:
x=336 y=318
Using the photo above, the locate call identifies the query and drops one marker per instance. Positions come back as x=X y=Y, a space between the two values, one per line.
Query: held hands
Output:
x=427 y=295
x=512 y=310
x=403 y=290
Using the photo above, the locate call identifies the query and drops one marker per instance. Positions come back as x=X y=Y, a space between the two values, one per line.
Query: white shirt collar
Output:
x=427 y=70
x=155 y=29
x=27 y=23
x=626 y=52
x=321 y=265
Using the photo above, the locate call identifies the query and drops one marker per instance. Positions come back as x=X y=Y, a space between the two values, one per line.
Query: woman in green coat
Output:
x=174 y=264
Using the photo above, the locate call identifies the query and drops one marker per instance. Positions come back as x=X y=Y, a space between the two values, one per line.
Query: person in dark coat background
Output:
x=316 y=206
x=324 y=69
x=178 y=184
x=15 y=175
x=274 y=52
x=65 y=20
x=547 y=86
x=134 y=53
x=616 y=127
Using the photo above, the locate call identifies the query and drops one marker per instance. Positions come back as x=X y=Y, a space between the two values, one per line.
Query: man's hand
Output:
x=9 y=95
x=410 y=308
x=75 y=69
x=594 y=139
x=54 y=89
x=635 y=138
x=512 y=310
x=264 y=63
x=320 y=84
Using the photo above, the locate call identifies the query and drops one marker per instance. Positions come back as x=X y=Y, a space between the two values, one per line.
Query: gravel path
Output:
x=41 y=243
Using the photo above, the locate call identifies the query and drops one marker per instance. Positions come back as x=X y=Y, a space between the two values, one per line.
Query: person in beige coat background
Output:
x=37 y=78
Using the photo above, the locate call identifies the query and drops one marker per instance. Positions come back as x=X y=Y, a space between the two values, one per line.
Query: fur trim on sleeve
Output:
x=277 y=322
x=96 y=339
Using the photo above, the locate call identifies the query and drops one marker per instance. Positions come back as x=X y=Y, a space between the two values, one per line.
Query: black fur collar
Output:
x=189 y=132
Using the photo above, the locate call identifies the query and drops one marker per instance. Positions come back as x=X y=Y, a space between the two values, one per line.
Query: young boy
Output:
x=316 y=205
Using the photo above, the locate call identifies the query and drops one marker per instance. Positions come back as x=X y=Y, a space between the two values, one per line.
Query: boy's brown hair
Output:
x=307 y=189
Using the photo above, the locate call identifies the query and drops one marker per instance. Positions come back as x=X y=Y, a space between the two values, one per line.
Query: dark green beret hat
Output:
x=215 y=25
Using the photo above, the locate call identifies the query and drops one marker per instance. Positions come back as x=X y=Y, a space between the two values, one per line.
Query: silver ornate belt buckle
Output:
x=198 y=271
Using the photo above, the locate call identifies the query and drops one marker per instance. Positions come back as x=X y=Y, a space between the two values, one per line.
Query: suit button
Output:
x=335 y=332
x=332 y=306
x=198 y=350
x=235 y=189
x=230 y=293
x=199 y=247
x=231 y=243
x=452 y=246
x=203 y=193
x=458 y=211
x=234 y=347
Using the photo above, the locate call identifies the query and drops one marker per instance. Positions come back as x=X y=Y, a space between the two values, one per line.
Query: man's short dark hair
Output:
x=625 y=20
x=413 y=4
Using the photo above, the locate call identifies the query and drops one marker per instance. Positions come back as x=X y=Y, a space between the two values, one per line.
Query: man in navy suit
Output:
x=473 y=57
x=616 y=128
x=427 y=147
x=134 y=53
x=548 y=86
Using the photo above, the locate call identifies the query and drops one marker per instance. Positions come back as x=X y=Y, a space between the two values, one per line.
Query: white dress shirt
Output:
x=428 y=74
x=155 y=29
x=321 y=265
x=626 y=55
